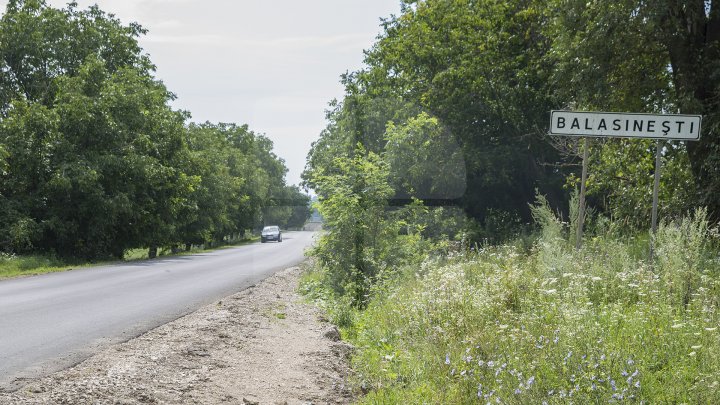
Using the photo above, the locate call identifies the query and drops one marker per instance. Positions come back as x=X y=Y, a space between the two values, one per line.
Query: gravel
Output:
x=263 y=345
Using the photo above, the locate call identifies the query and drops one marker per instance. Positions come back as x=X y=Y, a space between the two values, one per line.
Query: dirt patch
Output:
x=260 y=346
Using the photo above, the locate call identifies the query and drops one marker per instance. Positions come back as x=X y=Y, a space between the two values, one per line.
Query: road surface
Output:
x=53 y=321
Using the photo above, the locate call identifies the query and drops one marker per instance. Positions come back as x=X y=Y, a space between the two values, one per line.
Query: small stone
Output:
x=332 y=333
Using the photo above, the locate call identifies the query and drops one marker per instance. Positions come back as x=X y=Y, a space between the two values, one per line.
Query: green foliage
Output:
x=633 y=55
x=555 y=324
x=425 y=161
x=359 y=238
x=478 y=68
x=621 y=176
x=94 y=161
x=454 y=95
x=13 y=266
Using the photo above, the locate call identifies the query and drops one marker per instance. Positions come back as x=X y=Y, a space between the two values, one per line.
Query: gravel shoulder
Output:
x=263 y=345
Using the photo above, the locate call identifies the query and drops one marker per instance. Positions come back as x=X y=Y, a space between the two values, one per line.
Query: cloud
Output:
x=353 y=41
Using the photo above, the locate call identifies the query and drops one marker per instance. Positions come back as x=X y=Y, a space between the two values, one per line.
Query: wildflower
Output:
x=447 y=359
x=529 y=382
x=593 y=387
x=635 y=373
x=480 y=392
x=551 y=392
x=518 y=391
x=491 y=364
x=602 y=358
x=481 y=363
x=624 y=373
x=630 y=362
x=556 y=339
x=637 y=384
x=612 y=384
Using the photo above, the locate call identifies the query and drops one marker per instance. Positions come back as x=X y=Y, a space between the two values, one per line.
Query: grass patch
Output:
x=552 y=324
x=12 y=266
x=16 y=266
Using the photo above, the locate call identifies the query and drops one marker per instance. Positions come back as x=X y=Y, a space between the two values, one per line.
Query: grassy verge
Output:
x=12 y=266
x=546 y=325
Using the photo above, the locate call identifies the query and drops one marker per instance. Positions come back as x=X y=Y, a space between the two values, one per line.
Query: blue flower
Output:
x=447 y=359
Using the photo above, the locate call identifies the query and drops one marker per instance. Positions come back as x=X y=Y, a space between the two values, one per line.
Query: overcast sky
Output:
x=271 y=64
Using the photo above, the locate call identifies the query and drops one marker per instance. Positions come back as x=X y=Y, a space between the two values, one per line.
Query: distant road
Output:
x=53 y=321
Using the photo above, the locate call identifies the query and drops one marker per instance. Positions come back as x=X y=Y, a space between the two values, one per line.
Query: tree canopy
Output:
x=93 y=159
x=489 y=72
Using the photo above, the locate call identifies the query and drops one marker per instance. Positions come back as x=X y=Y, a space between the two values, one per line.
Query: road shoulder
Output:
x=263 y=345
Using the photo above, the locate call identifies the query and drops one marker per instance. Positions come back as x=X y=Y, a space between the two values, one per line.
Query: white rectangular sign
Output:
x=625 y=125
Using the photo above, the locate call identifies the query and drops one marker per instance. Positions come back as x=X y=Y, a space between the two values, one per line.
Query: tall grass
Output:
x=14 y=266
x=552 y=325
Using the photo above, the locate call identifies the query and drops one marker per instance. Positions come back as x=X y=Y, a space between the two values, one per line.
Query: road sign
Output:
x=625 y=125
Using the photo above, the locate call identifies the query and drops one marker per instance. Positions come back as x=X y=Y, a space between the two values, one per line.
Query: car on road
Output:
x=271 y=233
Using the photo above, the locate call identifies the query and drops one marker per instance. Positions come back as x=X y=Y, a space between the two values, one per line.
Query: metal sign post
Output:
x=624 y=125
x=656 y=189
x=581 y=208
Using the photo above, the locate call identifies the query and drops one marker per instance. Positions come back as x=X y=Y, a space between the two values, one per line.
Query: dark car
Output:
x=271 y=233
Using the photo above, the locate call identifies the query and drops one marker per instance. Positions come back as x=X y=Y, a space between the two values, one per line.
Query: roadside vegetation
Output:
x=527 y=323
x=12 y=265
x=448 y=257
x=94 y=161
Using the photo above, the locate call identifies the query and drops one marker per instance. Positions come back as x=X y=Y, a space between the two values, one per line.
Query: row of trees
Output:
x=452 y=109
x=93 y=159
x=456 y=96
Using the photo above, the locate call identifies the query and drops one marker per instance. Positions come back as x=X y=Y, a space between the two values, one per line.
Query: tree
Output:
x=634 y=55
x=478 y=68
x=425 y=161
x=353 y=201
x=41 y=43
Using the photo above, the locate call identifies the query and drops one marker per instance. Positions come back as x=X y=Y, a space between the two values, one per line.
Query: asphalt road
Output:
x=53 y=321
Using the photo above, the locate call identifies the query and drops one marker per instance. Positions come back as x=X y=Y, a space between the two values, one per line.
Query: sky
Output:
x=272 y=64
